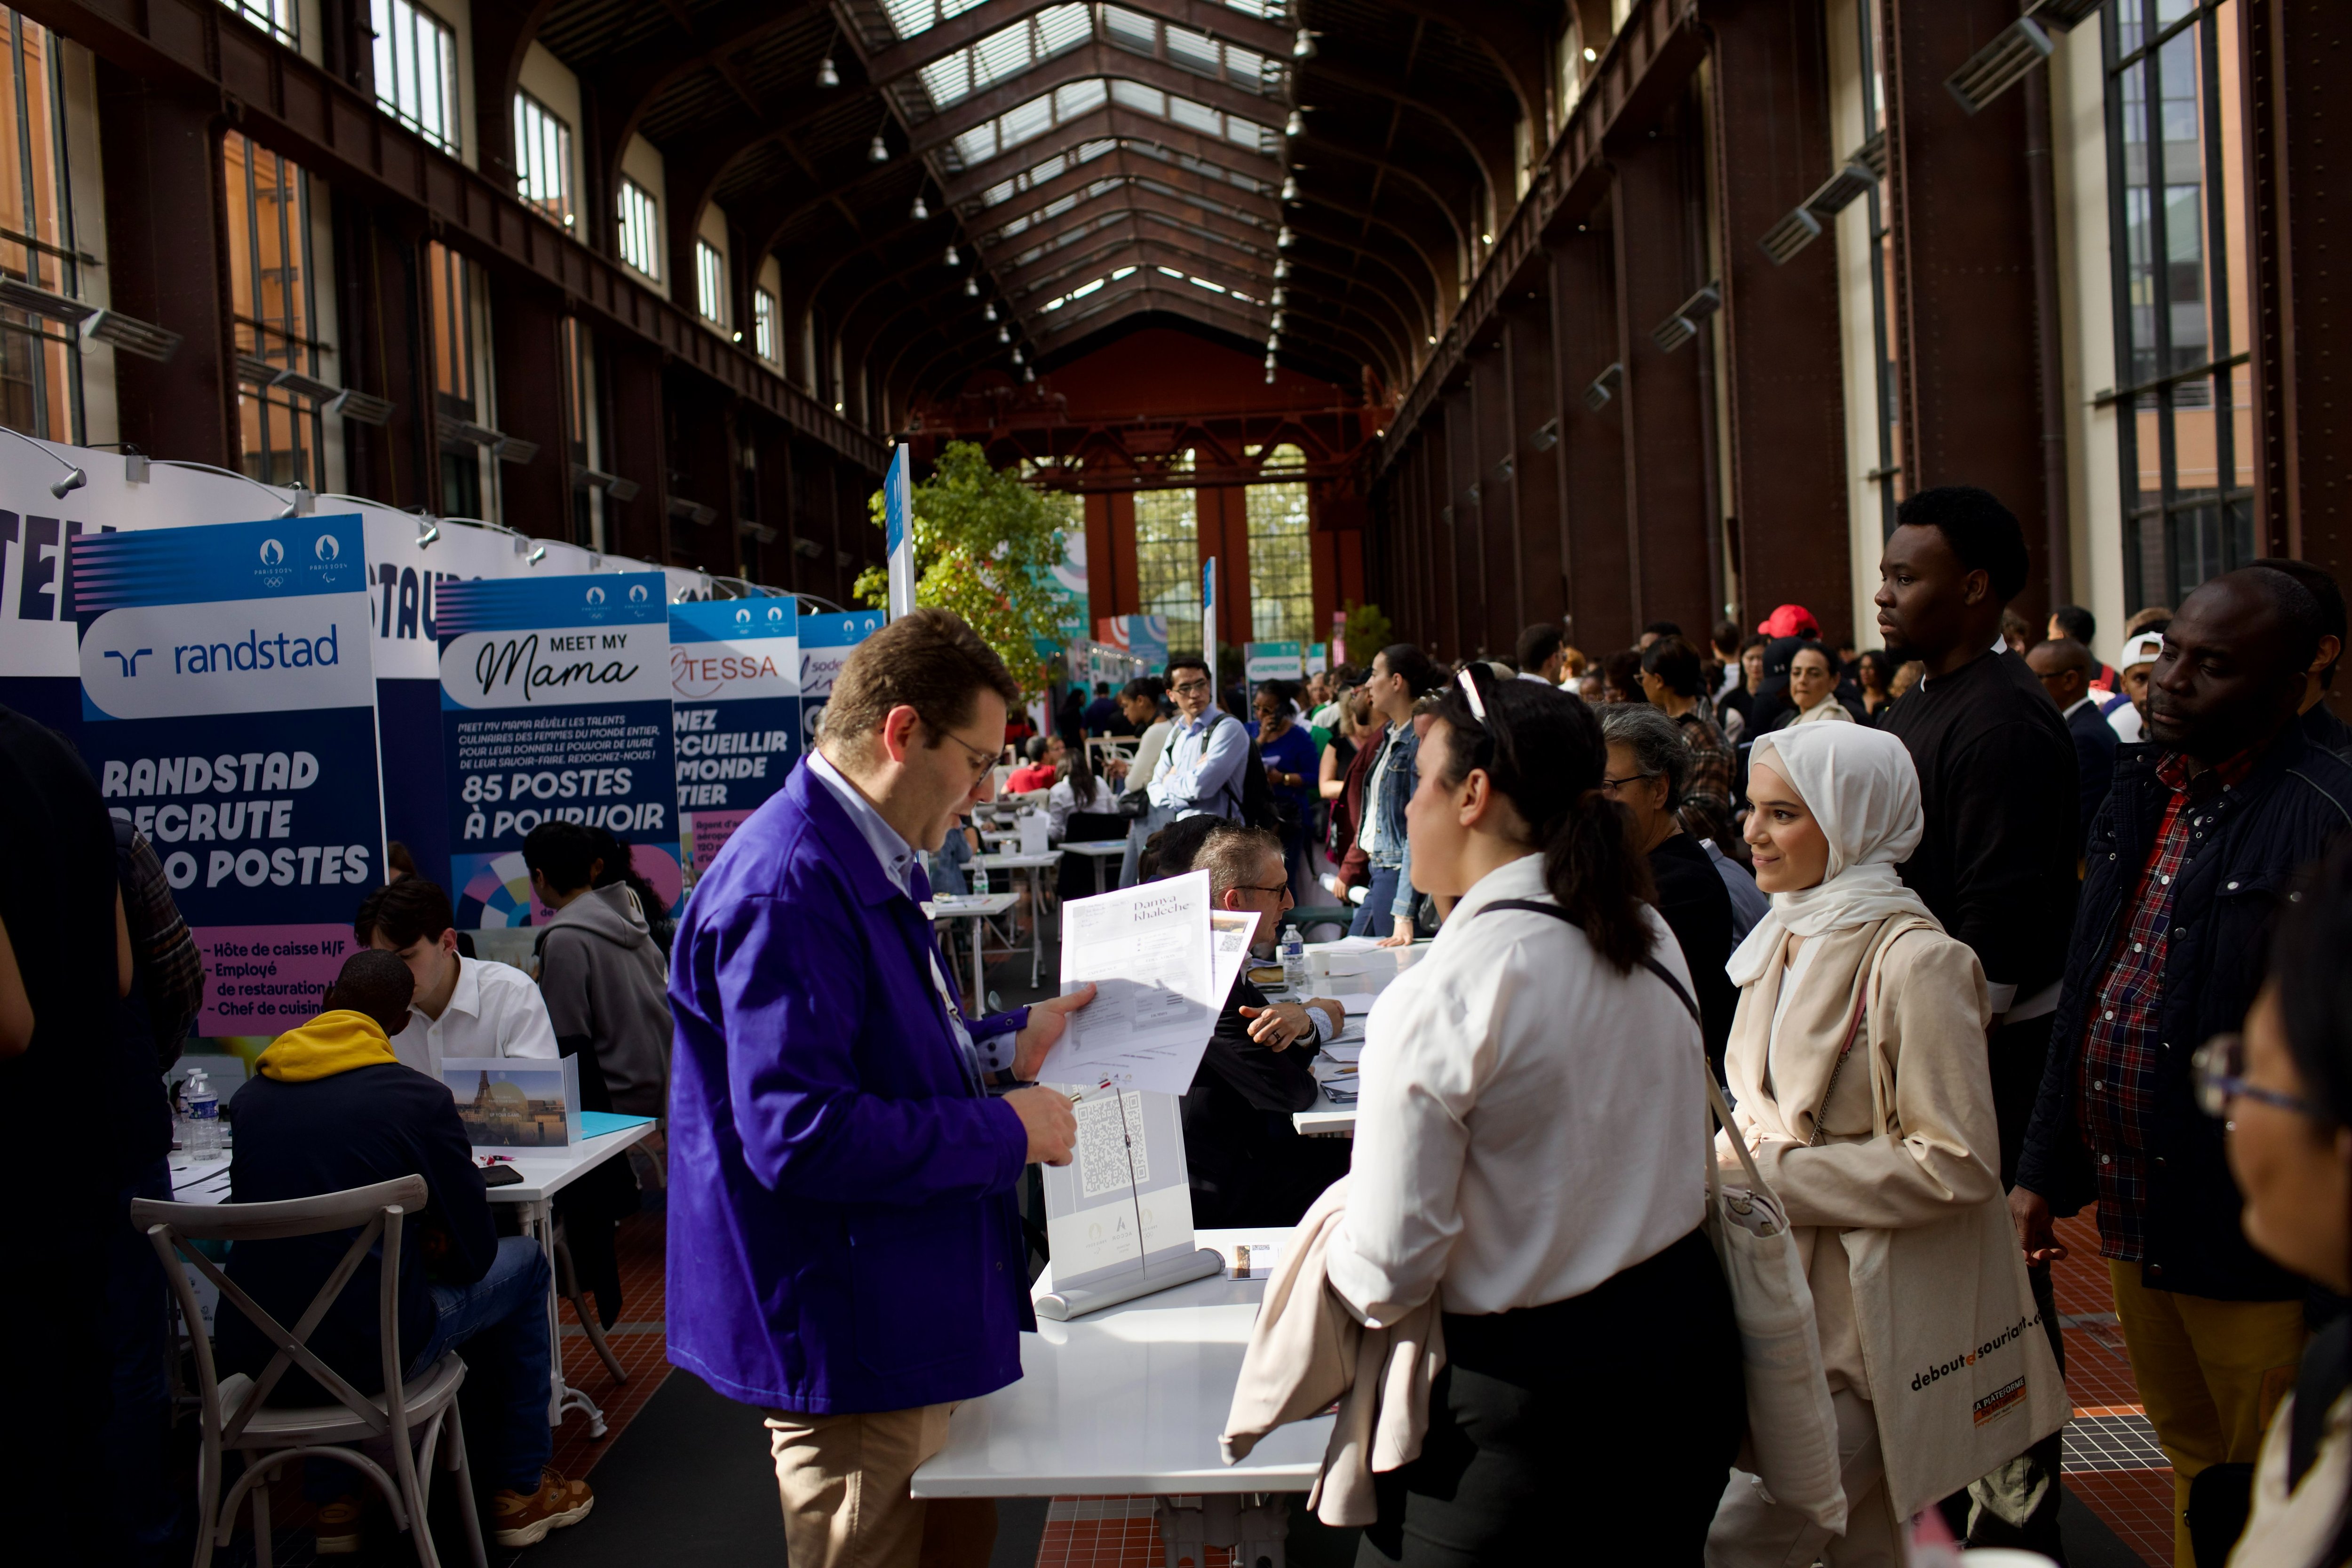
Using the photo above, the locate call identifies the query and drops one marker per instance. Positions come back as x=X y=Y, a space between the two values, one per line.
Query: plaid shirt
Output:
x=168 y=963
x=2117 y=1076
x=1706 y=799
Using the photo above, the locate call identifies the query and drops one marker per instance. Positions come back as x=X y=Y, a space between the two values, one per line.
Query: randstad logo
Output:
x=595 y=595
x=327 y=549
x=272 y=552
x=281 y=651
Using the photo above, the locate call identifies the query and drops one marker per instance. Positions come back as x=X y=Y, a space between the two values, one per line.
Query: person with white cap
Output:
x=1857 y=1067
x=2127 y=715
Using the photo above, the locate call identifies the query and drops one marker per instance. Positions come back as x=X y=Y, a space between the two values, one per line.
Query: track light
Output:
x=827 y=73
x=878 y=152
x=972 y=286
x=72 y=479
x=1302 y=47
x=918 y=211
x=538 y=553
x=1290 y=188
x=1296 y=125
x=428 y=532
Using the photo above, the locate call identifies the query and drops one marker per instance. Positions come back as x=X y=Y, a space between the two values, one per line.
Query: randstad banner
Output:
x=735 y=709
x=554 y=704
x=228 y=710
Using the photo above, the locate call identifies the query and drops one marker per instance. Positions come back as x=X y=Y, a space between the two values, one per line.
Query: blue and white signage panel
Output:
x=228 y=710
x=735 y=709
x=554 y=704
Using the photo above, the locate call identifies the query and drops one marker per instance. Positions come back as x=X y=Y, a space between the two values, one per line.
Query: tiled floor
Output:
x=2112 y=1461
x=637 y=1341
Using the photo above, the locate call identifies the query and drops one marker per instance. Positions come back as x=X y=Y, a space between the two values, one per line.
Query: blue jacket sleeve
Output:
x=793 y=987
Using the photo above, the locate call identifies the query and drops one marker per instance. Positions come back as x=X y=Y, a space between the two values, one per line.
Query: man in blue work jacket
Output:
x=845 y=1246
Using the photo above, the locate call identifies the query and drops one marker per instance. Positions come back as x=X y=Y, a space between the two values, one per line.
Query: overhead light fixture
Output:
x=428 y=532
x=918 y=211
x=72 y=479
x=1433 y=338
x=537 y=554
x=878 y=153
x=1002 y=336
x=1017 y=353
x=827 y=73
x=1591 y=54
x=952 y=258
x=1274 y=342
x=1277 y=294
x=1269 y=375
x=972 y=286
x=1290 y=188
x=1276 y=322
x=1302 y=47
x=1486 y=239
x=1296 y=125
x=1027 y=373
x=737 y=337
x=988 y=311
x=1285 y=240
x=1282 y=267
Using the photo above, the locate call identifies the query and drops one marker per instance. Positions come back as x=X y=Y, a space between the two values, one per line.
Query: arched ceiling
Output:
x=1313 y=179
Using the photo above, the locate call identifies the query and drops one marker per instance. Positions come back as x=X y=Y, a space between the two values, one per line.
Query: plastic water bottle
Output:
x=1293 y=961
x=203 y=1138
x=979 y=880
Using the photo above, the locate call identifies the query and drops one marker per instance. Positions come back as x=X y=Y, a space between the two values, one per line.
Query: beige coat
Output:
x=1307 y=1348
x=1923 y=1052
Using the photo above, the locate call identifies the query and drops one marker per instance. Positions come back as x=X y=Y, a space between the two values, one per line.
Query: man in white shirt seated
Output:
x=464 y=1007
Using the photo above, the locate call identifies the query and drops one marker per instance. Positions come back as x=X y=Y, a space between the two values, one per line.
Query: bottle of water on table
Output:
x=980 y=879
x=1294 y=961
x=203 y=1139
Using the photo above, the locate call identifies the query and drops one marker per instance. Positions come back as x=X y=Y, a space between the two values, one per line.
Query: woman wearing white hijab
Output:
x=1849 y=955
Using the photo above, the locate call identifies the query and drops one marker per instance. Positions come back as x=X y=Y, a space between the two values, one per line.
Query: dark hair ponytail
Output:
x=1542 y=748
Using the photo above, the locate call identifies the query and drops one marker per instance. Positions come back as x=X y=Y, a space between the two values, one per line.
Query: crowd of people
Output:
x=1961 y=936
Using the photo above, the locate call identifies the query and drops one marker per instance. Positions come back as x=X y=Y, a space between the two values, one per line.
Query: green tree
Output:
x=1366 y=633
x=984 y=544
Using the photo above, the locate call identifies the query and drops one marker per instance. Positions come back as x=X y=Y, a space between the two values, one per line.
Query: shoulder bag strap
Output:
x=1534 y=906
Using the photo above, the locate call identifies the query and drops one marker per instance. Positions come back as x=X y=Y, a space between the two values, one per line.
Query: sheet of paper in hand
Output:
x=1154 y=957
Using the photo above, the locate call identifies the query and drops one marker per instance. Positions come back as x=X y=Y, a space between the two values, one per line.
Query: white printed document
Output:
x=1162 y=971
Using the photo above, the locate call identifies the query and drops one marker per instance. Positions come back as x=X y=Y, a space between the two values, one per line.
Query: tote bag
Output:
x=1960 y=1368
x=1793 y=1437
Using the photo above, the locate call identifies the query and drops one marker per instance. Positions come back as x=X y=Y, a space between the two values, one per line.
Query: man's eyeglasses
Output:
x=1282 y=888
x=1187 y=688
x=1612 y=786
x=982 y=760
x=2217 y=1077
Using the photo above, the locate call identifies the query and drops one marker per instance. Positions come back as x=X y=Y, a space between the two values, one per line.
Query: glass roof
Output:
x=1006 y=53
x=1027 y=122
x=1177 y=274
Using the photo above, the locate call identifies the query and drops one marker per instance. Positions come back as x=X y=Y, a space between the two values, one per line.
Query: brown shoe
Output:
x=523 y=1518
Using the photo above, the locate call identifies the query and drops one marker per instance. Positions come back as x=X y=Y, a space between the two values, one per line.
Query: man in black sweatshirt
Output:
x=333 y=1108
x=1996 y=863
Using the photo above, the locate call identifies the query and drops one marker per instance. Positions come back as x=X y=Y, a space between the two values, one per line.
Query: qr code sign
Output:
x=1105 y=1161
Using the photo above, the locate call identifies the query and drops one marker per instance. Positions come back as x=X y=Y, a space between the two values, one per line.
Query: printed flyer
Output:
x=228 y=710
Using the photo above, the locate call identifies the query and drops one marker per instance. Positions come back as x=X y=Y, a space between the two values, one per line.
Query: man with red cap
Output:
x=1789 y=621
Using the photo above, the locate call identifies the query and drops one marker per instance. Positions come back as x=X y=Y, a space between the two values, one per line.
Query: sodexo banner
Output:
x=229 y=711
x=825 y=644
x=735 y=709
x=555 y=704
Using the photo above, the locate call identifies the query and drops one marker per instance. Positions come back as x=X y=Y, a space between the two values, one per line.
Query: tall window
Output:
x=640 y=229
x=417 y=69
x=40 y=360
x=543 y=158
x=275 y=17
x=1281 y=558
x=1887 y=471
x=1168 y=560
x=461 y=395
x=709 y=282
x=2183 y=383
x=271 y=301
x=765 y=341
x=580 y=429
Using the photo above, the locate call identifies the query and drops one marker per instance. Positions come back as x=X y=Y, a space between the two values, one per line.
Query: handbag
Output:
x=1792 y=1435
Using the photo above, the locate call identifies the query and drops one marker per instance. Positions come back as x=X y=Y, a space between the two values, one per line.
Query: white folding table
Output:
x=1130 y=1402
x=1099 y=850
x=545 y=1172
x=979 y=910
x=1034 y=864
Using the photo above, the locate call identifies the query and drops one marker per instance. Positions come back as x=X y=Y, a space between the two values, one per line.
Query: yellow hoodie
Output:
x=332 y=1043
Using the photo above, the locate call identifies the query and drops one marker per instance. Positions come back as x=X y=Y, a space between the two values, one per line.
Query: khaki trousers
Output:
x=844 y=1481
x=2211 y=1376
x=1751 y=1530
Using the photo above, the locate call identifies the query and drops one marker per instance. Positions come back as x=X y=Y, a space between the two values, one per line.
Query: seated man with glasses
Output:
x=1200 y=770
x=1249 y=1165
x=846 y=1249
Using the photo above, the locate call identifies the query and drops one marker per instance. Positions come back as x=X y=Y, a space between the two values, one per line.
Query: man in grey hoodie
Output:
x=603 y=976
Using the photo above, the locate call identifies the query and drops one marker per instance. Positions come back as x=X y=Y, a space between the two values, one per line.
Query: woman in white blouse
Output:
x=1078 y=789
x=1813 y=689
x=1531 y=1149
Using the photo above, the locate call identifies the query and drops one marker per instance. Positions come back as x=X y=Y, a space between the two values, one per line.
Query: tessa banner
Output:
x=228 y=710
x=555 y=705
x=735 y=706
